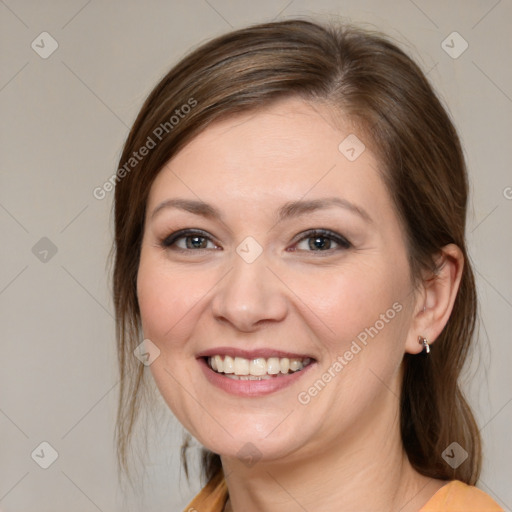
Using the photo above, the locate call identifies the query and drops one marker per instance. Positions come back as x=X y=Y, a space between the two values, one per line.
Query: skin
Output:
x=325 y=455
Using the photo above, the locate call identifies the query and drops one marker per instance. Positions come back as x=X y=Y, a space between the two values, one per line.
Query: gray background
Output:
x=64 y=120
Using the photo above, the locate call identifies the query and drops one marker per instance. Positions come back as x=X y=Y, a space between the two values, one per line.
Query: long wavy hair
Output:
x=366 y=78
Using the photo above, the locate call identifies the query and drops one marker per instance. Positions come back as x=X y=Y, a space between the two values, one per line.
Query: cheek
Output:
x=355 y=300
x=167 y=299
x=364 y=317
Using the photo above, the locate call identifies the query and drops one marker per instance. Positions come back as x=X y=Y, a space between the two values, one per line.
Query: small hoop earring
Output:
x=423 y=341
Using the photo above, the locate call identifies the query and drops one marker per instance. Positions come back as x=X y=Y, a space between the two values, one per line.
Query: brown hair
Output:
x=368 y=79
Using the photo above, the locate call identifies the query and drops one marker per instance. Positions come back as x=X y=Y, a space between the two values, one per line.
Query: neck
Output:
x=367 y=470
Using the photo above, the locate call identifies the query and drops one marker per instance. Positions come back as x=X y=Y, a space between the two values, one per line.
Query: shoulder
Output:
x=212 y=497
x=456 y=496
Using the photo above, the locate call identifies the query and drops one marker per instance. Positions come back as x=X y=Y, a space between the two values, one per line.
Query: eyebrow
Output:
x=287 y=211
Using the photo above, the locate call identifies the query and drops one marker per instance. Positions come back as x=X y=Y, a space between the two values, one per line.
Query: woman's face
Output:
x=295 y=259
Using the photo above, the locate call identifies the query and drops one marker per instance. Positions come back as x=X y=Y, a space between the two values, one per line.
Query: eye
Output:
x=321 y=240
x=188 y=239
x=315 y=240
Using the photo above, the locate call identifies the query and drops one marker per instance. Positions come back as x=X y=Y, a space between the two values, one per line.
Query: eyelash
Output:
x=170 y=240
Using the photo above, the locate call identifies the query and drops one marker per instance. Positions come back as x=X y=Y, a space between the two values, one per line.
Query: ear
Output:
x=435 y=298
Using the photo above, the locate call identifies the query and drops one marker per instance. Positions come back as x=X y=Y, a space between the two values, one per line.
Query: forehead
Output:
x=289 y=150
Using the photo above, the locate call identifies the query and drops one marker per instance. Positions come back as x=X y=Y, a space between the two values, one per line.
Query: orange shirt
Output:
x=455 y=496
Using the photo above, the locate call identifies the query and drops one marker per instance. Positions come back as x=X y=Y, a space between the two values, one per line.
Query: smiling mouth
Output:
x=260 y=368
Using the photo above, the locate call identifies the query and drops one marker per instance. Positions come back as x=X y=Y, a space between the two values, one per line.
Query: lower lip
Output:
x=248 y=388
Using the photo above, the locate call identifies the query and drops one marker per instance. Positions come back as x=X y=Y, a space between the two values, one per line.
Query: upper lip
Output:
x=251 y=354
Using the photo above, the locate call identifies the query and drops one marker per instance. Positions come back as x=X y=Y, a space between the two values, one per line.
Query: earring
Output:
x=423 y=341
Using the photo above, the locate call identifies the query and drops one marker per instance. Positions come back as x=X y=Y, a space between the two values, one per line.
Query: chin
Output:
x=248 y=441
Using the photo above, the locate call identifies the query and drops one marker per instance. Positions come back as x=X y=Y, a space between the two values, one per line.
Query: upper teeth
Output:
x=256 y=367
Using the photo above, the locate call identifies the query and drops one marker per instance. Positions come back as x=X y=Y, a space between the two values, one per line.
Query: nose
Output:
x=250 y=296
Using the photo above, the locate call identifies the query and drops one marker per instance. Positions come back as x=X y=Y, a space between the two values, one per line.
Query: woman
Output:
x=289 y=213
